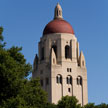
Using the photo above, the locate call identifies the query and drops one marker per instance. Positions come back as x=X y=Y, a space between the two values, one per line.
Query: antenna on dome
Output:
x=58 y=12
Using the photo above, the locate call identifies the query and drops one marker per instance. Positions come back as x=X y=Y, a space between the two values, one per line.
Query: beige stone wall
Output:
x=52 y=66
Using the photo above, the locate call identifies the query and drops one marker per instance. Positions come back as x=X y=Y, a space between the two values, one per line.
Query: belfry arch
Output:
x=55 y=49
x=67 y=52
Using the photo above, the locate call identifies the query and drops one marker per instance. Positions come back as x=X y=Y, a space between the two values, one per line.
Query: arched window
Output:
x=47 y=81
x=57 y=12
x=67 y=51
x=42 y=53
x=79 y=80
x=41 y=82
x=55 y=49
x=59 y=79
x=69 y=79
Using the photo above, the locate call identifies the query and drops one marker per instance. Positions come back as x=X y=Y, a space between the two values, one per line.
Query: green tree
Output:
x=15 y=90
x=89 y=105
x=1 y=38
x=12 y=72
x=50 y=105
x=103 y=105
x=31 y=96
x=68 y=102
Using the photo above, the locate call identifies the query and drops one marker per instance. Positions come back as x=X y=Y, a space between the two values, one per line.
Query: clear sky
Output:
x=24 y=21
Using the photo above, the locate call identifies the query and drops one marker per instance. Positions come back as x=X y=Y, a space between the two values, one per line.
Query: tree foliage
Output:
x=30 y=96
x=15 y=90
x=2 y=44
x=103 y=105
x=89 y=105
x=92 y=105
x=13 y=68
x=68 y=102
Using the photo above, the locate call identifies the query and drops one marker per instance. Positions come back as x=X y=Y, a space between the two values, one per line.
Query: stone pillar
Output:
x=85 y=91
x=73 y=50
x=77 y=43
x=59 y=50
x=62 y=50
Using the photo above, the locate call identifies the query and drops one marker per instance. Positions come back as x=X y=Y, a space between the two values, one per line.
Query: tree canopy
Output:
x=2 y=44
x=15 y=90
x=68 y=102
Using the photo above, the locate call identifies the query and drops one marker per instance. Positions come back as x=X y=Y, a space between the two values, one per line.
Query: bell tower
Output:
x=62 y=70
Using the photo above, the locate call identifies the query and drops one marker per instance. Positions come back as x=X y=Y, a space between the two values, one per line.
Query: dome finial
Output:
x=58 y=12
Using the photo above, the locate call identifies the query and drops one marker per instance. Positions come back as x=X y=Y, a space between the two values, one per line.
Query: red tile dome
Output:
x=58 y=26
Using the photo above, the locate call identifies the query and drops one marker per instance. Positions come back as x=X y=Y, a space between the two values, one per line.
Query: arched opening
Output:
x=55 y=49
x=41 y=82
x=69 y=79
x=42 y=53
x=59 y=79
x=67 y=52
x=57 y=12
x=79 y=80
x=47 y=81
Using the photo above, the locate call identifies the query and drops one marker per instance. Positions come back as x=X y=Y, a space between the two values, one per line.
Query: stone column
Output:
x=59 y=50
x=73 y=50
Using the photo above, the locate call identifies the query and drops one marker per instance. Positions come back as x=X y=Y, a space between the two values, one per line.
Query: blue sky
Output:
x=24 y=21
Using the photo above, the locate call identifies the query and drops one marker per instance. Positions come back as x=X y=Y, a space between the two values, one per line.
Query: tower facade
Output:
x=62 y=70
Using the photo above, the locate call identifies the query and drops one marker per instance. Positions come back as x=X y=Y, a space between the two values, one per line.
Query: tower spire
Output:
x=58 y=12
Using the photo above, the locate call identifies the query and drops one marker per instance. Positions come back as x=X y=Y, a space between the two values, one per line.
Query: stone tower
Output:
x=61 y=69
